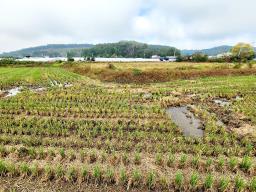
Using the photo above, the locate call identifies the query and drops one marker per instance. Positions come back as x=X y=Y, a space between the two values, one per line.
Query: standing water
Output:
x=13 y=92
x=186 y=120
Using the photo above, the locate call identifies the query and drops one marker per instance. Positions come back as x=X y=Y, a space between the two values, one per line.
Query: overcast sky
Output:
x=186 y=24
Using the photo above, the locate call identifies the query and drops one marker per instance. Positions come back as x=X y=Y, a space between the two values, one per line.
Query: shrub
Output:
x=136 y=72
x=111 y=66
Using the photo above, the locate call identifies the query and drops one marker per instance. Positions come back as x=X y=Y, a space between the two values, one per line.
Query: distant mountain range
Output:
x=211 y=52
x=120 y=49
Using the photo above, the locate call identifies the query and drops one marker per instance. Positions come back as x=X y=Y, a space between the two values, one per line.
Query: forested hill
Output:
x=129 y=49
x=51 y=50
x=120 y=49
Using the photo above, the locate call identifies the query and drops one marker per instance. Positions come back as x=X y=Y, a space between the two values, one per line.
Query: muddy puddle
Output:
x=13 y=92
x=222 y=102
x=183 y=118
x=37 y=89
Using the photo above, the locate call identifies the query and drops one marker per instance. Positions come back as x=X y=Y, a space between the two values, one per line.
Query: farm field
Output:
x=99 y=133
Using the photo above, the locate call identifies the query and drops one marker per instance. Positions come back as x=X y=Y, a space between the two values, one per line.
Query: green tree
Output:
x=243 y=52
x=199 y=57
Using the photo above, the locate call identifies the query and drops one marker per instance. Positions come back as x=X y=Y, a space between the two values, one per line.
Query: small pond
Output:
x=183 y=118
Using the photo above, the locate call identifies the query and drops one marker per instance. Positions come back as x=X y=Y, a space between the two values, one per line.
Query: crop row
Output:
x=135 y=178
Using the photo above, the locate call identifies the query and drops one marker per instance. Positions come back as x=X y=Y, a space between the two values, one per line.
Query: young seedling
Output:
x=123 y=177
x=195 y=162
x=208 y=182
x=97 y=173
x=59 y=171
x=137 y=159
x=246 y=163
x=221 y=163
x=159 y=159
x=71 y=174
x=233 y=162
x=239 y=183
x=62 y=153
x=223 y=184
x=183 y=160
x=170 y=160
x=136 y=177
x=110 y=176
x=151 y=179
x=194 y=180
x=253 y=184
x=179 y=179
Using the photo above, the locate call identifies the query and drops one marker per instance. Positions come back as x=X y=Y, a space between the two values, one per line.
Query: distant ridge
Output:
x=50 y=50
x=106 y=49
x=119 y=49
x=211 y=51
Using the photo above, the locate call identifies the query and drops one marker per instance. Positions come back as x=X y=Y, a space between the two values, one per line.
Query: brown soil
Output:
x=154 y=76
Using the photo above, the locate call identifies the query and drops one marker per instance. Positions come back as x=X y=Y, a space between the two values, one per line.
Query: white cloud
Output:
x=183 y=23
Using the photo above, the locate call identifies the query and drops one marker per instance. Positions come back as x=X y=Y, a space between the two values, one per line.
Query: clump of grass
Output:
x=195 y=161
x=137 y=159
x=34 y=170
x=209 y=162
x=233 y=163
x=11 y=169
x=136 y=72
x=59 y=172
x=96 y=173
x=3 y=168
x=151 y=179
x=221 y=163
x=123 y=177
x=170 y=160
x=183 y=160
x=84 y=173
x=194 y=178
x=246 y=163
x=159 y=159
x=208 y=182
x=125 y=158
x=62 y=153
x=239 y=183
x=49 y=173
x=71 y=174
x=179 y=179
x=253 y=184
x=109 y=176
x=136 y=177
x=223 y=184
x=25 y=169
